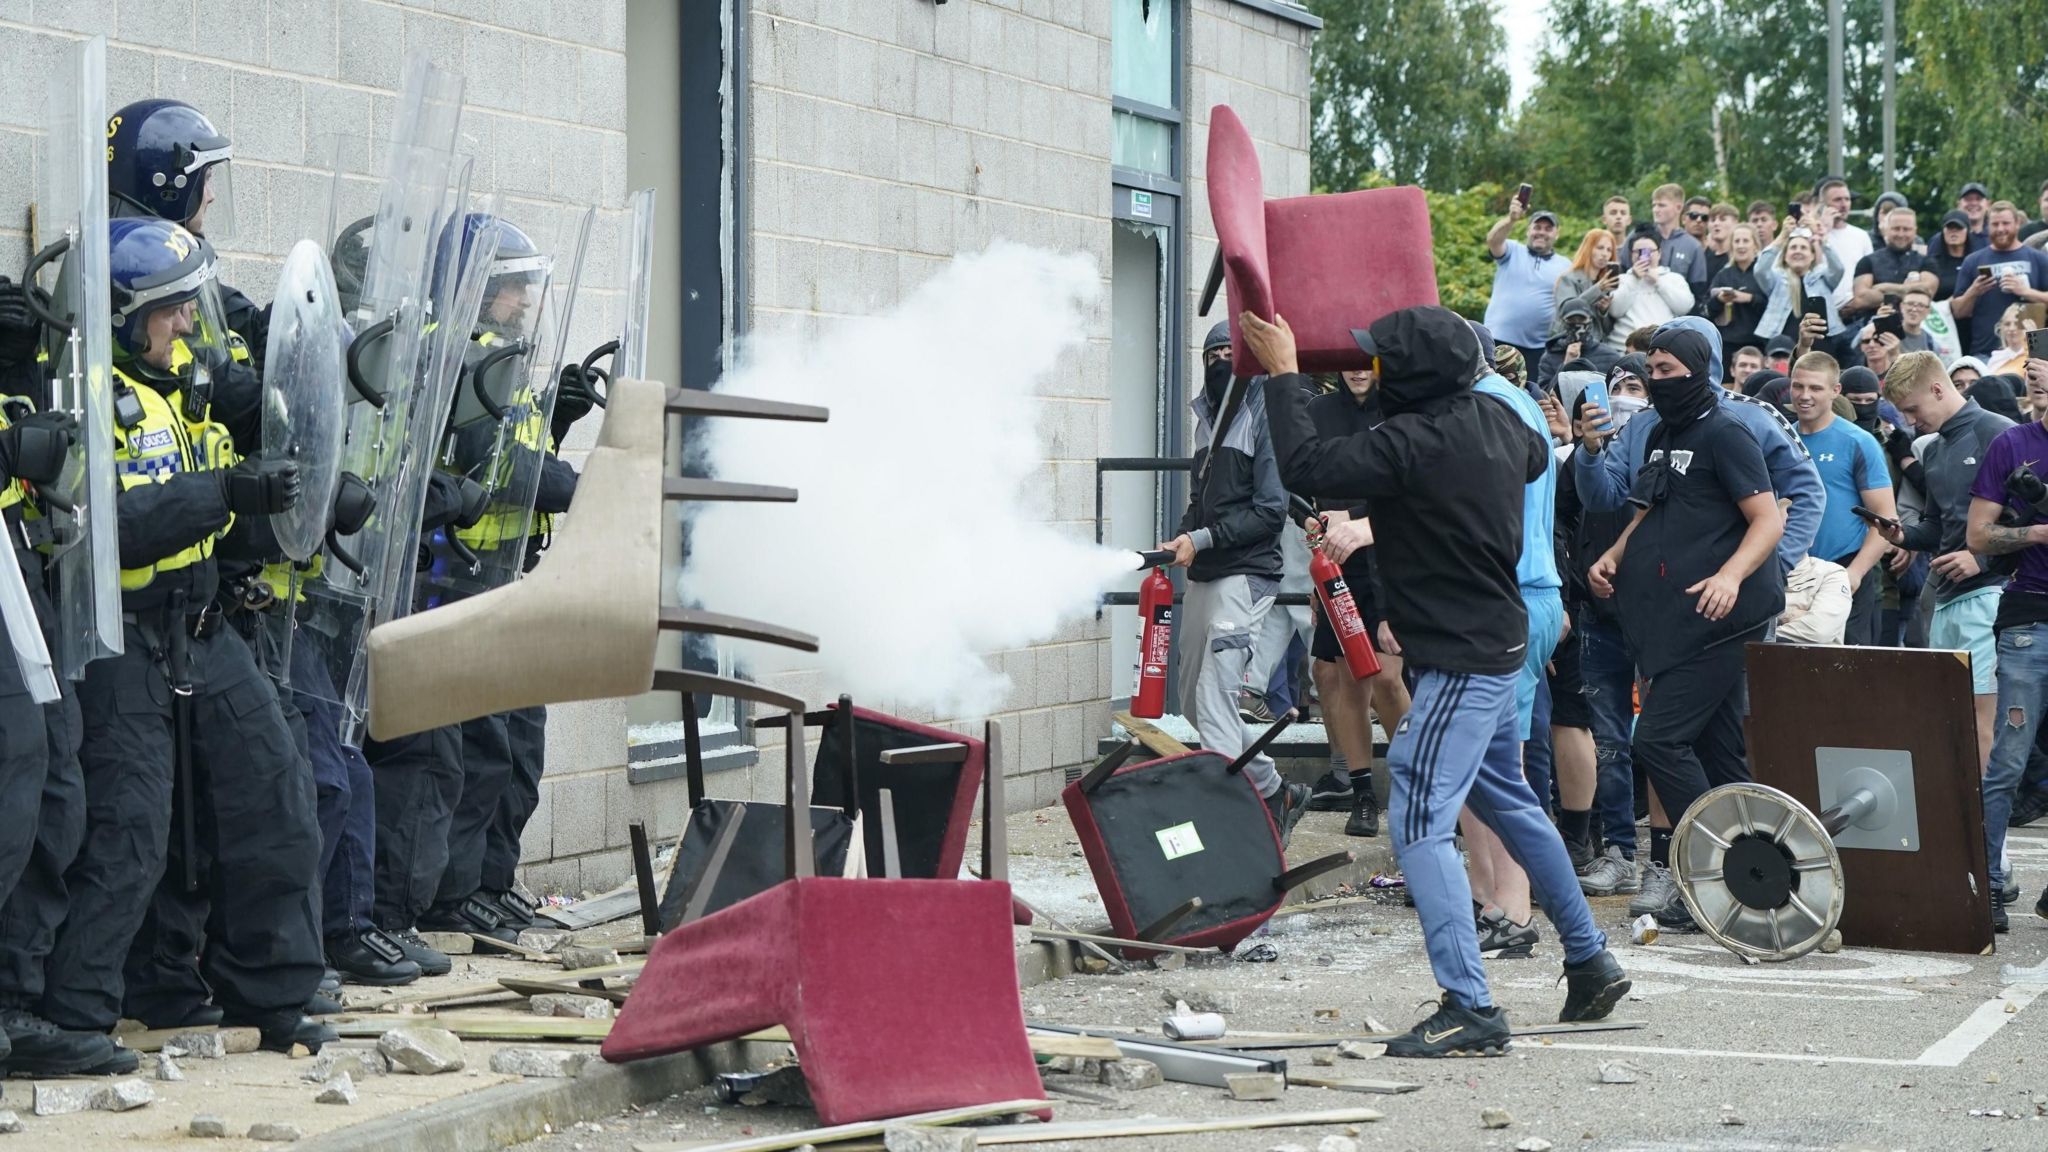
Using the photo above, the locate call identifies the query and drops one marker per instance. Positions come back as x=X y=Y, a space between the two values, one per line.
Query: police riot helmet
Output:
x=156 y=265
x=166 y=159
x=519 y=276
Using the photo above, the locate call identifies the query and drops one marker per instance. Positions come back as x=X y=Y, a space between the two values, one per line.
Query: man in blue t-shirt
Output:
x=2010 y=478
x=1519 y=311
x=1497 y=881
x=1996 y=277
x=1853 y=470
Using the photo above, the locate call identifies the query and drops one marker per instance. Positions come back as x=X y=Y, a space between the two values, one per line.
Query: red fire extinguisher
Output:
x=1334 y=596
x=1155 y=640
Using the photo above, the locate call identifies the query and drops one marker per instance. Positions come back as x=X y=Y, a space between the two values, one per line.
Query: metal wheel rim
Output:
x=1700 y=841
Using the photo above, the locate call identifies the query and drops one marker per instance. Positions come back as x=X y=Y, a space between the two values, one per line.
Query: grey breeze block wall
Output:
x=886 y=137
x=545 y=119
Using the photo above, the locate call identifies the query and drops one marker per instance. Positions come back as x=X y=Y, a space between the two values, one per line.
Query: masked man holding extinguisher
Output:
x=1446 y=475
x=1230 y=544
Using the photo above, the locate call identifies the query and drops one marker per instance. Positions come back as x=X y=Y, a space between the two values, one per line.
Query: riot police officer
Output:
x=41 y=789
x=499 y=756
x=184 y=720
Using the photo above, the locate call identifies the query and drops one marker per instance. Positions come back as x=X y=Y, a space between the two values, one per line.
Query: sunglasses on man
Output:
x=1695 y=215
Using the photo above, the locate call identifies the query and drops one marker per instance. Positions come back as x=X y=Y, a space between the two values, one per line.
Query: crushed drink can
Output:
x=1643 y=930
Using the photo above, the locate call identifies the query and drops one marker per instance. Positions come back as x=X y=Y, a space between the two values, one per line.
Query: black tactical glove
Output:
x=35 y=447
x=19 y=328
x=353 y=504
x=474 y=501
x=2021 y=484
x=261 y=487
x=575 y=396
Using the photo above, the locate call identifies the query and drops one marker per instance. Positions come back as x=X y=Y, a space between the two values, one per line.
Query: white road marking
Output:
x=1722 y=1053
x=1952 y=1049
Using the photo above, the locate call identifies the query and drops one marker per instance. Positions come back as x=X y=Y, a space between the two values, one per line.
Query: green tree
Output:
x=1977 y=98
x=1414 y=89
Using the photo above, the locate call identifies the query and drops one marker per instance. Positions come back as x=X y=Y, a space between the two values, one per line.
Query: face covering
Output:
x=1680 y=400
x=1626 y=407
x=1215 y=379
x=1866 y=415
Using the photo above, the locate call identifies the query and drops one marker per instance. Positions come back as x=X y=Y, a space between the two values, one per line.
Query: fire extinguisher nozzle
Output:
x=1159 y=558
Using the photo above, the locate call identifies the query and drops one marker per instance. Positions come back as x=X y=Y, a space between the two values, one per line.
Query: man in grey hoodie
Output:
x=1955 y=434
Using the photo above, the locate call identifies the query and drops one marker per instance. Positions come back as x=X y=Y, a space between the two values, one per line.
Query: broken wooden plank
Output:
x=153 y=1039
x=493 y=990
x=864 y=1128
x=1353 y=1084
x=1120 y=1129
x=477 y=1026
x=1256 y=1041
x=519 y=950
x=1151 y=736
x=1042 y=1043
x=1116 y=963
x=1113 y=942
x=549 y=988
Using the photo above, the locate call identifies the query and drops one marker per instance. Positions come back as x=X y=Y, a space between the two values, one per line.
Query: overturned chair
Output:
x=900 y=995
x=1183 y=849
x=584 y=624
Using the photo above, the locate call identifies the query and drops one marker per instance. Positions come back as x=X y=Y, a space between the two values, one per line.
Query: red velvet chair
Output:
x=899 y=995
x=1327 y=263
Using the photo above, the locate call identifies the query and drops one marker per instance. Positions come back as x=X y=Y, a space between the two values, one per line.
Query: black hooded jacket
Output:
x=1445 y=474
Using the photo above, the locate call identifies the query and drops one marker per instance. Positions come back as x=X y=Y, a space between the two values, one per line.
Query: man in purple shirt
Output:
x=2009 y=520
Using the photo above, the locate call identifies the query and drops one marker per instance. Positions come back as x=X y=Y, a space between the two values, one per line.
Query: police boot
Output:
x=40 y=1048
x=371 y=957
x=474 y=916
x=279 y=1037
x=432 y=961
x=324 y=1005
x=512 y=909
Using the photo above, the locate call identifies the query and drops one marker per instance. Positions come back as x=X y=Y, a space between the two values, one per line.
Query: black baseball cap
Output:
x=1859 y=380
x=1544 y=214
x=1780 y=345
x=1974 y=186
x=1955 y=220
x=1410 y=341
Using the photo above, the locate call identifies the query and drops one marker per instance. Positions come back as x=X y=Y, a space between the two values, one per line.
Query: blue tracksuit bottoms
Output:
x=1460 y=745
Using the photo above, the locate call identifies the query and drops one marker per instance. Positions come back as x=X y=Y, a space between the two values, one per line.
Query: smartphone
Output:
x=2037 y=344
x=1984 y=272
x=1889 y=324
x=1522 y=194
x=1814 y=306
x=1596 y=393
x=1892 y=299
x=1796 y=211
x=1869 y=517
x=1613 y=268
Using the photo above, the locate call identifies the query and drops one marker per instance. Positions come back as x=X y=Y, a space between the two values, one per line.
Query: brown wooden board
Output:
x=1807 y=697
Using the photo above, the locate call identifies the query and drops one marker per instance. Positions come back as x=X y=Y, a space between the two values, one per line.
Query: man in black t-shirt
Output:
x=1347 y=702
x=1694 y=584
x=1892 y=269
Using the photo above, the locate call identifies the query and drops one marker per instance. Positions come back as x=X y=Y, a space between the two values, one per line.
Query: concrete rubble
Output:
x=578 y=956
x=573 y=1006
x=58 y=1097
x=167 y=1067
x=336 y=1061
x=1534 y=1144
x=9 y=1122
x=919 y=1138
x=1360 y=1050
x=546 y=939
x=539 y=1063
x=122 y=1096
x=207 y=1126
x=423 y=1051
x=1337 y=1144
x=1131 y=1075
x=1495 y=1118
x=271 y=1132
x=340 y=1090
x=1257 y=1086
x=1619 y=1072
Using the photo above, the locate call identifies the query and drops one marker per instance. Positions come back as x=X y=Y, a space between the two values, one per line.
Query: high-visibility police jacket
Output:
x=172 y=510
x=505 y=522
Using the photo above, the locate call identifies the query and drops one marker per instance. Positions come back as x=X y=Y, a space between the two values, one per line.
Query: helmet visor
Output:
x=513 y=296
x=175 y=327
x=214 y=217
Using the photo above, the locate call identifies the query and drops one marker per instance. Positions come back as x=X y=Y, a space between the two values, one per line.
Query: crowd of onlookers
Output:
x=1795 y=423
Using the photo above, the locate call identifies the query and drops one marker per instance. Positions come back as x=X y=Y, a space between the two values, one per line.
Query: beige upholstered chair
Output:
x=583 y=624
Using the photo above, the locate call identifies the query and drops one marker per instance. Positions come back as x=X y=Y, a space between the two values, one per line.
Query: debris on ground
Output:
x=1131 y=1075
x=1200 y=1000
x=1619 y=1072
x=9 y=1122
x=421 y=1051
x=167 y=1068
x=272 y=1132
x=917 y=1138
x=1361 y=1050
x=335 y=1061
x=59 y=1098
x=206 y=1125
x=1258 y=953
x=785 y=1087
x=1495 y=1118
x=1832 y=942
x=122 y=1096
x=1257 y=1086
x=571 y=1005
x=539 y=1063
x=1337 y=1144
x=340 y=1090
x=1644 y=929
x=1534 y=1144
x=546 y=939
x=579 y=956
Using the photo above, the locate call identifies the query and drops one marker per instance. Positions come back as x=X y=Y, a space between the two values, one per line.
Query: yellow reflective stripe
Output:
x=161 y=446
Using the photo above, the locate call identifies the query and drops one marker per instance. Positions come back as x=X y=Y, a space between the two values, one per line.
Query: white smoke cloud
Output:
x=912 y=549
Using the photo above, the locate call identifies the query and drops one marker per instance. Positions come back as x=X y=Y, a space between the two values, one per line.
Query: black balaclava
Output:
x=1860 y=389
x=1680 y=400
x=2001 y=397
x=1215 y=378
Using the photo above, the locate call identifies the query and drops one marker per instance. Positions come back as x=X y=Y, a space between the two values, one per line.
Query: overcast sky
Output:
x=1523 y=22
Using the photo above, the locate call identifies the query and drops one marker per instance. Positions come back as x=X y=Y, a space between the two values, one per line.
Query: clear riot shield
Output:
x=506 y=449
x=24 y=629
x=304 y=409
x=630 y=361
x=382 y=264
x=84 y=542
